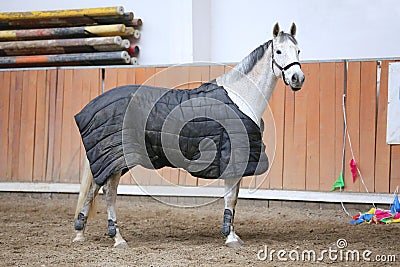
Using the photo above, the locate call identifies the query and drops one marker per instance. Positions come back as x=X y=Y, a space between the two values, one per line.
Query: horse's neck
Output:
x=251 y=92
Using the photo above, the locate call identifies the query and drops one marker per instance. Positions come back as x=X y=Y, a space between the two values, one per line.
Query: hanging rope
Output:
x=346 y=135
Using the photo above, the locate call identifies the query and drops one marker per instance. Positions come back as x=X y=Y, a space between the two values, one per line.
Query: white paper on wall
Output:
x=393 y=116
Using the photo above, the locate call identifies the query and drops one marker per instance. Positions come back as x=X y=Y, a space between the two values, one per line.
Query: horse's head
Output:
x=285 y=57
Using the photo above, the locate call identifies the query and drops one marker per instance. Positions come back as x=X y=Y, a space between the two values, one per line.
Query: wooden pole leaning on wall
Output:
x=67 y=18
x=129 y=31
x=61 y=46
x=133 y=50
x=124 y=46
x=82 y=59
x=137 y=22
x=67 y=32
x=114 y=40
x=68 y=13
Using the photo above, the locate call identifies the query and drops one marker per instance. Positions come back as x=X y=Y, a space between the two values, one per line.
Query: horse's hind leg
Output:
x=231 y=194
x=82 y=216
x=85 y=205
x=110 y=190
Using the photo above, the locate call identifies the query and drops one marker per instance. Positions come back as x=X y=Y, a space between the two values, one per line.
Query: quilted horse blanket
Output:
x=200 y=130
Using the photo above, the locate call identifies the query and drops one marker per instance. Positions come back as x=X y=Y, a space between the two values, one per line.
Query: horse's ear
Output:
x=276 y=29
x=293 y=29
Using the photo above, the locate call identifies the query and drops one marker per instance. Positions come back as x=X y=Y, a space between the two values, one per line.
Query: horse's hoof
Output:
x=122 y=244
x=233 y=241
x=78 y=239
x=234 y=244
x=240 y=240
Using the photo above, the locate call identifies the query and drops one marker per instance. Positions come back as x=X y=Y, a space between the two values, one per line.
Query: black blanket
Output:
x=200 y=130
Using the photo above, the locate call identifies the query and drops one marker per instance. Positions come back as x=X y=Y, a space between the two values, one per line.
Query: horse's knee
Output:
x=80 y=222
x=227 y=222
x=112 y=228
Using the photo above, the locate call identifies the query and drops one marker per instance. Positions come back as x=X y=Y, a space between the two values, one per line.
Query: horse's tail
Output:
x=86 y=183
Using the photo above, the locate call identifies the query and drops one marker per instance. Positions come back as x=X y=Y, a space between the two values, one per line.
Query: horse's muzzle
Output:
x=297 y=81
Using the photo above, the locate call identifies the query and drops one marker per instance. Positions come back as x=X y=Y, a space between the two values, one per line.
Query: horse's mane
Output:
x=247 y=64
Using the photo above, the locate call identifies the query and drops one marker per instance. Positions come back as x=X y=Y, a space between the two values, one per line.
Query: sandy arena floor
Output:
x=37 y=230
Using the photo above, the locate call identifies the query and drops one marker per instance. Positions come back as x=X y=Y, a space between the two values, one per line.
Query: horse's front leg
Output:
x=231 y=194
x=110 y=190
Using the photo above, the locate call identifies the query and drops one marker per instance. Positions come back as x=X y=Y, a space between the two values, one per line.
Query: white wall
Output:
x=178 y=31
x=166 y=31
x=329 y=29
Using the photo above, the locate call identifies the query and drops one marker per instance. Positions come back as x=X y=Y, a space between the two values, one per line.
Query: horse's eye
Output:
x=279 y=52
x=298 y=52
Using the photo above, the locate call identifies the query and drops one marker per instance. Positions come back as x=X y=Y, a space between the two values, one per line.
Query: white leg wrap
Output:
x=231 y=195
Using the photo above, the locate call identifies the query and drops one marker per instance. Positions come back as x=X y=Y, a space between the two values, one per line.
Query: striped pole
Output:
x=62 y=46
x=21 y=45
x=68 y=32
x=67 y=59
x=68 y=13
x=31 y=22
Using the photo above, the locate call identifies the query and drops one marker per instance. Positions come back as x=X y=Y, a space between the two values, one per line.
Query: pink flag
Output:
x=353 y=168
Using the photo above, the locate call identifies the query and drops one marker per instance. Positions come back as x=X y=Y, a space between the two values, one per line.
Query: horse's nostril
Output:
x=295 y=78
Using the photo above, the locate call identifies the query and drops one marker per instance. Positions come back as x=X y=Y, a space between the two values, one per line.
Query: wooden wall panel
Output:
x=312 y=92
x=115 y=77
x=382 y=159
x=295 y=137
x=67 y=161
x=10 y=123
x=145 y=76
x=294 y=168
x=198 y=75
x=51 y=83
x=110 y=78
x=27 y=134
x=216 y=70
x=41 y=127
x=172 y=77
x=40 y=142
x=339 y=122
x=4 y=118
x=353 y=121
x=126 y=76
x=289 y=152
x=14 y=125
x=54 y=175
x=327 y=120
x=367 y=124
x=273 y=137
x=5 y=80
